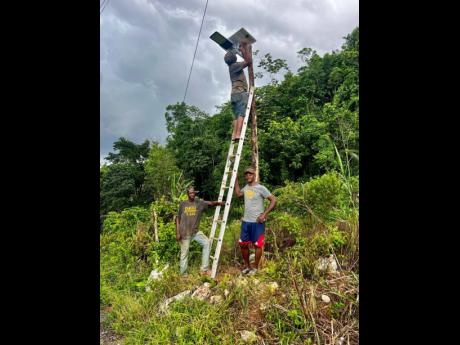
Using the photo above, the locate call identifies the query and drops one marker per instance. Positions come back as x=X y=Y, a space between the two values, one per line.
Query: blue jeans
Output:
x=204 y=242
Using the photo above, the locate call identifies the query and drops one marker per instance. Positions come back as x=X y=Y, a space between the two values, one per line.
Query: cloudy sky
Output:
x=147 y=47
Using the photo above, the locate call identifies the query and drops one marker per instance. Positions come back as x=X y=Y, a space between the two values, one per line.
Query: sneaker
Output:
x=245 y=271
x=252 y=271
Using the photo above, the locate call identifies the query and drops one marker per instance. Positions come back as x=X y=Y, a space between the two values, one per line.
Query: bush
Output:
x=327 y=242
x=126 y=220
x=284 y=230
x=166 y=249
x=321 y=197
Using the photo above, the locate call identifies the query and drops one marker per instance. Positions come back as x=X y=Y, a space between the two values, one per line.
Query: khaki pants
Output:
x=201 y=238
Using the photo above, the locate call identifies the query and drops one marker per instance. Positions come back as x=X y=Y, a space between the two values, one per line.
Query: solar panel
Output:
x=239 y=35
x=232 y=44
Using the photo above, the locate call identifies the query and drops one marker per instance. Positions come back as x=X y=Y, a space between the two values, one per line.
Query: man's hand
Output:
x=262 y=218
x=178 y=237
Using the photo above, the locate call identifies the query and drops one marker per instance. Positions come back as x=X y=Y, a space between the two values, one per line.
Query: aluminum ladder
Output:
x=234 y=158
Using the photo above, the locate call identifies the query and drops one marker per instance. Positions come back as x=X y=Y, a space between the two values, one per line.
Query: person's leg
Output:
x=234 y=102
x=259 y=251
x=245 y=254
x=184 y=247
x=239 y=126
x=257 y=237
x=204 y=242
x=244 y=242
x=241 y=105
x=259 y=244
x=234 y=129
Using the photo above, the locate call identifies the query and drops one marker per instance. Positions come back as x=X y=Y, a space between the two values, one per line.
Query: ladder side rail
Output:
x=232 y=184
x=222 y=191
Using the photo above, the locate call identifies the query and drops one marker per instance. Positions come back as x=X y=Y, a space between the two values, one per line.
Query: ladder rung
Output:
x=229 y=168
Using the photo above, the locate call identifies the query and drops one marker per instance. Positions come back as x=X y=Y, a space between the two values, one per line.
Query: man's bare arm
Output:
x=246 y=55
x=237 y=189
x=215 y=203
x=263 y=217
x=177 y=227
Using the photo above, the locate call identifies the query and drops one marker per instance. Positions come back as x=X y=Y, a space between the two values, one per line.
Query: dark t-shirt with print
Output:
x=237 y=77
x=189 y=217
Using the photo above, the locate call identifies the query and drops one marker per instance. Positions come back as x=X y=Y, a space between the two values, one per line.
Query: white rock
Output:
x=325 y=298
x=327 y=264
x=202 y=292
x=340 y=341
x=332 y=264
x=154 y=275
x=216 y=299
x=226 y=292
x=248 y=336
x=273 y=286
x=165 y=304
x=321 y=264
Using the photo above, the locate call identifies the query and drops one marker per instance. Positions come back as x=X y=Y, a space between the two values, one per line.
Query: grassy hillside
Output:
x=282 y=304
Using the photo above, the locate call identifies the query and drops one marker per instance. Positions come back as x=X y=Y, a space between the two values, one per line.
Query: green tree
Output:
x=160 y=169
x=118 y=188
x=122 y=182
x=129 y=152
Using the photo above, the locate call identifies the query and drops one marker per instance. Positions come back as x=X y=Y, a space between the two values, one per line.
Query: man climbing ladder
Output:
x=239 y=93
x=242 y=105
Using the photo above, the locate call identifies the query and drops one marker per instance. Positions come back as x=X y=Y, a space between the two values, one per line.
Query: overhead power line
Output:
x=104 y=5
x=194 y=54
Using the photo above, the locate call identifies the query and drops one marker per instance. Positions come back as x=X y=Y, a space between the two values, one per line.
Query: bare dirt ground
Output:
x=107 y=335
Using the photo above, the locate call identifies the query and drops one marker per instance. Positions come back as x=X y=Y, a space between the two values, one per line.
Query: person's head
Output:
x=230 y=58
x=249 y=174
x=191 y=193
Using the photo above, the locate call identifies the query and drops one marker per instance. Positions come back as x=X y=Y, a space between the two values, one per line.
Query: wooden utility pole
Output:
x=255 y=145
x=155 y=224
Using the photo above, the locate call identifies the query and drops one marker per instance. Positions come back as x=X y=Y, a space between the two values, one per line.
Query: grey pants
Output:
x=201 y=238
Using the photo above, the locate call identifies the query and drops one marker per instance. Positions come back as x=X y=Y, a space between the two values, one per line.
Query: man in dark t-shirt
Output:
x=239 y=94
x=187 y=224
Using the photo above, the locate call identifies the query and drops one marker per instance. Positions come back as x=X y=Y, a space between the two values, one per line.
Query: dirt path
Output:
x=107 y=335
